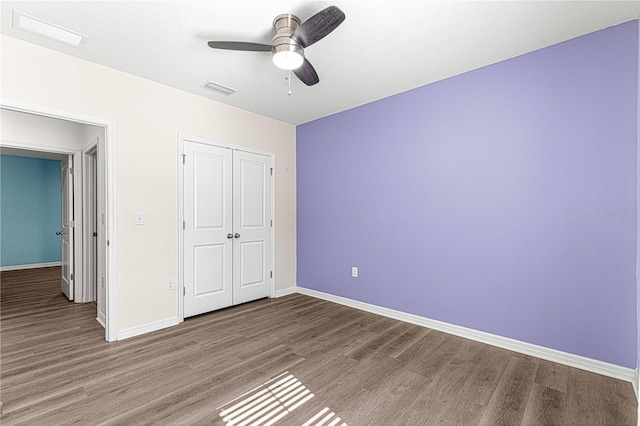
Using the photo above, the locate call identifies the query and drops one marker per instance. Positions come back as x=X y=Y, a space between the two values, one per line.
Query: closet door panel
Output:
x=252 y=226
x=208 y=250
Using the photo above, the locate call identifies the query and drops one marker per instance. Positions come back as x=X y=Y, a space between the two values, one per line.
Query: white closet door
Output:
x=208 y=238
x=252 y=226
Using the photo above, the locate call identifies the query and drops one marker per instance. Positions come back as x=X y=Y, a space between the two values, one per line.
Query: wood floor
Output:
x=291 y=361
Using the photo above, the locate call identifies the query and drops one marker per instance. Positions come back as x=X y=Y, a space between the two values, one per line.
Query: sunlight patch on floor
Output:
x=271 y=401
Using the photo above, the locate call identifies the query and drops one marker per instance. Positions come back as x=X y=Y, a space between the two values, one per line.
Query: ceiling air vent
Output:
x=219 y=88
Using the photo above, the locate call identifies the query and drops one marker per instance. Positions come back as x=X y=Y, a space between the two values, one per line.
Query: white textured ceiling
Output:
x=382 y=48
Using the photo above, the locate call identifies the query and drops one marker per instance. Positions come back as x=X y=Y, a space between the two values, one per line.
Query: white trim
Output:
x=273 y=226
x=180 y=287
x=110 y=147
x=583 y=363
x=286 y=292
x=182 y=137
x=88 y=187
x=636 y=382
x=100 y=319
x=110 y=151
x=147 y=328
x=29 y=266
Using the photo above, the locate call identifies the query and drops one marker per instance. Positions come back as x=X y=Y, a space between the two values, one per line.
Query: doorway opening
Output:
x=91 y=222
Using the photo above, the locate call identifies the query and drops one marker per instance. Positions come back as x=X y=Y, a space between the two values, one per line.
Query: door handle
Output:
x=236 y=235
x=229 y=235
x=59 y=233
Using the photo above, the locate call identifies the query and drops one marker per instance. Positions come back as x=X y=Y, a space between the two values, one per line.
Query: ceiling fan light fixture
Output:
x=291 y=38
x=288 y=60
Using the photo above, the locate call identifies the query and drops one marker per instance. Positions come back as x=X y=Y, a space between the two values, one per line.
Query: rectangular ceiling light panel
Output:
x=219 y=88
x=45 y=29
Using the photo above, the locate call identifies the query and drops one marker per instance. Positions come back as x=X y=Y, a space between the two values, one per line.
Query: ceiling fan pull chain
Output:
x=288 y=78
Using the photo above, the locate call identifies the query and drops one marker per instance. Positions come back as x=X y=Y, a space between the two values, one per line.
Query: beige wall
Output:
x=148 y=118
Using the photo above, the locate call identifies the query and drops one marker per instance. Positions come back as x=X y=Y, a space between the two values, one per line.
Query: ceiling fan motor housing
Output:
x=285 y=25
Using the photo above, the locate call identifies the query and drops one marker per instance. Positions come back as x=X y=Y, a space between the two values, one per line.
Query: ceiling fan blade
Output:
x=240 y=45
x=306 y=73
x=318 y=26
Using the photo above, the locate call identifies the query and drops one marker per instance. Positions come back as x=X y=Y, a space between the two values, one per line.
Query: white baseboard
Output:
x=101 y=319
x=577 y=361
x=636 y=383
x=286 y=292
x=29 y=266
x=147 y=328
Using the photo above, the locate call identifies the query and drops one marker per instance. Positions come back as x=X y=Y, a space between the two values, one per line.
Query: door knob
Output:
x=59 y=233
x=236 y=235
x=229 y=236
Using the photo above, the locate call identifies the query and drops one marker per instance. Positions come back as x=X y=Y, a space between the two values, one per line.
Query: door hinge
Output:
x=184 y=156
x=272 y=223
x=70 y=170
x=184 y=291
x=71 y=278
x=271 y=274
x=271 y=171
x=184 y=225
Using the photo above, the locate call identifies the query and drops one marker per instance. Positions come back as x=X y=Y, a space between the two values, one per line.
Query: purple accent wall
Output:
x=502 y=199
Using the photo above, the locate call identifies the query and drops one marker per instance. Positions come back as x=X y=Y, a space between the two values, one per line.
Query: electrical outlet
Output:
x=170 y=284
x=354 y=271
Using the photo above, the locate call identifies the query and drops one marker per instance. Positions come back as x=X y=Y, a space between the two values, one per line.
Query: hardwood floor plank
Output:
x=341 y=365
x=28 y=414
x=378 y=340
x=438 y=391
x=552 y=375
x=479 y=386
x=509 y=401
x=592 y=399
x=545 y=407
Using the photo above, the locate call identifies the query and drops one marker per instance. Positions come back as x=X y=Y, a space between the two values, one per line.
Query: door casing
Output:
x=182 y=138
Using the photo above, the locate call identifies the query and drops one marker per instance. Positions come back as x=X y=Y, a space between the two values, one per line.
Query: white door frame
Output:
x=89 y=212
x=109 y=125
x=182 y=138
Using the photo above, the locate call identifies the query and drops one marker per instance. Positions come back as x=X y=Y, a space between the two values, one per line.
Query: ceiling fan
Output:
x=292 y=37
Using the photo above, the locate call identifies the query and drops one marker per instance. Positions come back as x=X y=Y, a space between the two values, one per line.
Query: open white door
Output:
x=67 y=227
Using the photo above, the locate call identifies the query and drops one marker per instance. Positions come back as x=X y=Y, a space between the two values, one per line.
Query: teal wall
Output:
x=30 y=210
